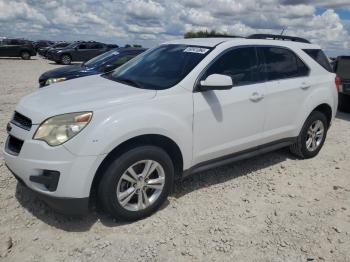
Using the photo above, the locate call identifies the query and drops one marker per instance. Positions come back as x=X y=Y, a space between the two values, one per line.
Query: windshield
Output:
x=97 y=59
x=60 y=45
x=159 y=68
x=343 y=68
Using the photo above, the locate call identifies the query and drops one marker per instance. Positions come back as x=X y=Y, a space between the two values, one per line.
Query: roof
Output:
x=212 y=42
x=208 y=42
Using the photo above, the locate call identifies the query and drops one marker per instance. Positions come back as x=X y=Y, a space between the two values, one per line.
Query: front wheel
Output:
x=137 y=183
x=311 y=137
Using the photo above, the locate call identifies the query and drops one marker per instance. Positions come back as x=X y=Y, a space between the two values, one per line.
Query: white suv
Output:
x=179 y=108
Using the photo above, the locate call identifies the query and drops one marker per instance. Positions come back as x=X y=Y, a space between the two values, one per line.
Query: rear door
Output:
x=288 y=85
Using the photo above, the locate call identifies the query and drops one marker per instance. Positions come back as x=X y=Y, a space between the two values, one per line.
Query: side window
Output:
x=240 y=64
x=82 y=46
x=14 y=42
x=319 y=57
x=95 y=46
x=281 y=63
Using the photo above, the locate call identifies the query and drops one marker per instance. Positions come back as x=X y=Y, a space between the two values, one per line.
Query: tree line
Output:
x=205 y=33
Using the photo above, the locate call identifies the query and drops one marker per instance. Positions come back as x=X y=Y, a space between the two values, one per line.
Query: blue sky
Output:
x=150 y=22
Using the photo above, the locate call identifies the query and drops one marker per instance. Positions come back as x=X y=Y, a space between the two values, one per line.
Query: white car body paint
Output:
x=204 y=125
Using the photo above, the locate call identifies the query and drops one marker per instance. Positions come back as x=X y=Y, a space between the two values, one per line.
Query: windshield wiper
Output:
x=128 y=82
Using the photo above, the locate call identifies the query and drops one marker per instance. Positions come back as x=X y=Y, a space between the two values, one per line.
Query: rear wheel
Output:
x=135 y=184
x=66 y=59
x=25 y=55
x=311 y=137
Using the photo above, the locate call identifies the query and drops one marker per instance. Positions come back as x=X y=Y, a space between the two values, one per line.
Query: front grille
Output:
x=21 y=121
x=13 y=145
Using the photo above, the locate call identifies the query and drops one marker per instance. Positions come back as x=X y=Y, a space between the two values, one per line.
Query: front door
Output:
x=229 y=121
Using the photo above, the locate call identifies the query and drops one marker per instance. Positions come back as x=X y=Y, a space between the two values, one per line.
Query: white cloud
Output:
x=13 y=10
x=144 y=9
x=152 y=21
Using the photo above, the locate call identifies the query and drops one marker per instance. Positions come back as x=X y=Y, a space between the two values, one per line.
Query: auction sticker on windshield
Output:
x=198 y=50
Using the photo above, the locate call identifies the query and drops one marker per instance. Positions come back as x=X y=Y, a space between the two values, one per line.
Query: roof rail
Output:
x=279 y=37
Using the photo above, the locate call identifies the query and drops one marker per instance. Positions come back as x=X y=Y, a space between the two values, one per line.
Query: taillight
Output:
x=337 y=82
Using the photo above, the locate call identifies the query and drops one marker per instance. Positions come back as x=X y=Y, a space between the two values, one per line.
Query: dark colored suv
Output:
x=42 y=43
x=97 y=65
x=79 y=51
x=16 y=48
x=342 y=69
x=44 y=50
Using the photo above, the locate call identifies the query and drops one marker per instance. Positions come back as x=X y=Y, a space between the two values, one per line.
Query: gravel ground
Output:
x=269 y=208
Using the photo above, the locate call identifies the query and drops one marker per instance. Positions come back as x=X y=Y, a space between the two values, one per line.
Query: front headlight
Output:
x=54 y=80
x=59 y=129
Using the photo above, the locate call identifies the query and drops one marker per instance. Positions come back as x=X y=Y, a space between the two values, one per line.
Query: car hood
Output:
x=82 y=94
x=66 y=71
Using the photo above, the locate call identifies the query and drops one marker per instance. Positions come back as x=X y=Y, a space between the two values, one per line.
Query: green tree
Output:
x=206 y=33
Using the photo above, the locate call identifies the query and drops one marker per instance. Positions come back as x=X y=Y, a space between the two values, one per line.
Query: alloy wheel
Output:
x=315 y=135
x=66 y=60
x=140 y=185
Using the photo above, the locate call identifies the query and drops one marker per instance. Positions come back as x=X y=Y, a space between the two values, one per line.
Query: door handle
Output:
x=305 y=86
x=256 y=97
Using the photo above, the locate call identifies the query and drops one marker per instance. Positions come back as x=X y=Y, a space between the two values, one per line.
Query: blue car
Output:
x=97 y=65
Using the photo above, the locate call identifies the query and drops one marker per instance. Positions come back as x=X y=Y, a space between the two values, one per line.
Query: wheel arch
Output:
x=326 y=109
x=164 y=142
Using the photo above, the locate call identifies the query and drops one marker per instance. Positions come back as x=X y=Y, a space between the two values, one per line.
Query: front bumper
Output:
x=34 y=158
x=67 y=206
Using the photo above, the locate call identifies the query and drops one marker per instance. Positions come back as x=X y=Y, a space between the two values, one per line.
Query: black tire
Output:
x=299 y=148
x=344 y=103
x=66 y=59
x=112 y=175
x=25 y=55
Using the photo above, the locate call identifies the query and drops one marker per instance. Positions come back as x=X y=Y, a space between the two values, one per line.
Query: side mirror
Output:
x=216 y=82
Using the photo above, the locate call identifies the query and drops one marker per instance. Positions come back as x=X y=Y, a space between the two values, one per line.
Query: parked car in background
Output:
x=97 y=65
x=342 y=69
x=42 y=43
x=180 y=108
x=16 y=48
x=78 y=51
x=52 y=49
x=42 y=51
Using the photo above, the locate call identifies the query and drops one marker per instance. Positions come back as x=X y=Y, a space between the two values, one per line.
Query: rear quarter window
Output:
x=320 y=58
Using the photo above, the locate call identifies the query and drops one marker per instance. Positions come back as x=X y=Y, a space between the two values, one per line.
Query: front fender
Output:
x=105 y=133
